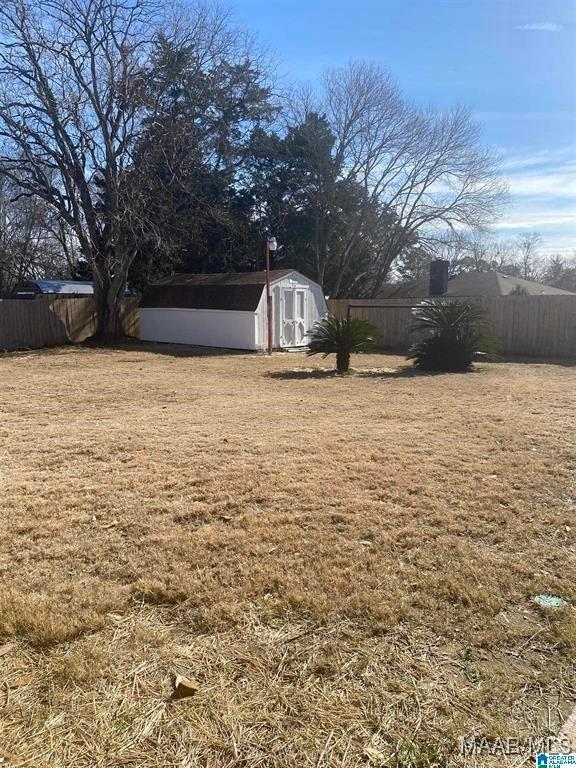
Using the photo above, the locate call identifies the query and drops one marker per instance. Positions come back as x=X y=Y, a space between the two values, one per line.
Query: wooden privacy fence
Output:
x=48 y=321
x=539 y=326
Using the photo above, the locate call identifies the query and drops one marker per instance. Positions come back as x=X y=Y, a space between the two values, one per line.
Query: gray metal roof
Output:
x=64 y=286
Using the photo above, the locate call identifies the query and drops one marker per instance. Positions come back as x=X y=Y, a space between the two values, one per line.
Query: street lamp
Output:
x=271 y=246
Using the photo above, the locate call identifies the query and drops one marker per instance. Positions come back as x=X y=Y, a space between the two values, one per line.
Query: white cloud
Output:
x=541 y=26
x=553 y=183
x=537 y=218
x=543 y=196
x=514 y=162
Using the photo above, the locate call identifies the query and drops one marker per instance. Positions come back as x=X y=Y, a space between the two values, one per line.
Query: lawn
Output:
x=344 y=565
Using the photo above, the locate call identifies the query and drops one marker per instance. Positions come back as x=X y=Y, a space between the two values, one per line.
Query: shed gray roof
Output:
x=224 y=278
x=240 y=291
x=474 y=283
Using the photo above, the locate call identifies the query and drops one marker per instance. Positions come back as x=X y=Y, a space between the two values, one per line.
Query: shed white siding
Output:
x=203 y=327
x=315 y=309
x=297 y=303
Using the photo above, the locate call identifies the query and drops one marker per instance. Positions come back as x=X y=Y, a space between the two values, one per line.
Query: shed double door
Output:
x=293 y=326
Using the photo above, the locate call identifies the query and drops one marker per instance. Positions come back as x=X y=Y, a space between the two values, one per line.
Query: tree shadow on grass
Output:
x=304 y=374
x=166 y=348
x=564 y=362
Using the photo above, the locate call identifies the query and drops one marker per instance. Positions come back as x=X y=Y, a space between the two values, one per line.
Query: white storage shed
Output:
x=230 y=310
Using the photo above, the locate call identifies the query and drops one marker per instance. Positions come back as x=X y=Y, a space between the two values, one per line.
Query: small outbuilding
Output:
x=230 y=310
x=29 y=289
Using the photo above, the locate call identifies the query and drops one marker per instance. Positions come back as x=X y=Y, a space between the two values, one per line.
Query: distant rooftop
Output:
x=474 y=283
x=76 y=287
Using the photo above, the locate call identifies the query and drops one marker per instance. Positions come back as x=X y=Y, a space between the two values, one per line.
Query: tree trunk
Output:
x=108 y=324
x=108 y=299
x=343 y=361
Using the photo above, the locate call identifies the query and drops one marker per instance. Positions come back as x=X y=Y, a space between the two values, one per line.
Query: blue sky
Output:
x=513 y=62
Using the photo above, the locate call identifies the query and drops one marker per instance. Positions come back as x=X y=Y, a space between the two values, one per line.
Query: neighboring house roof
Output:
x=508 y=284
x=474 y=284
x=58 y=286
x=240 y=291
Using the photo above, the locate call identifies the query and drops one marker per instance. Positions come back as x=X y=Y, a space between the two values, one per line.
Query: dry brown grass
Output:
x=345 y=564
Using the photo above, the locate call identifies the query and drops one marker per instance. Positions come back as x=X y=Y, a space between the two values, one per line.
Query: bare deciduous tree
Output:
x=426 y=169
x=70 y=104
x=561 y=271
x=530 y=262
x=31 y=239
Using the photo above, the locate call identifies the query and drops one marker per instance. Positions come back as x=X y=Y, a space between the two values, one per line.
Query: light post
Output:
x=271 y=245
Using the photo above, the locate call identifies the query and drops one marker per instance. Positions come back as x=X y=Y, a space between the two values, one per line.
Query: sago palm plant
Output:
x=456 y=334
x=341 y=337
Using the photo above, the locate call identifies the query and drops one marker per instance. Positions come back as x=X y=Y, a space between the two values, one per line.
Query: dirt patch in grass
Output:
x=345 y=564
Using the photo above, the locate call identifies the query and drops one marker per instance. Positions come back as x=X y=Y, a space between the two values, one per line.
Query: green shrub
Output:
x=341 y=337
x=456 y=335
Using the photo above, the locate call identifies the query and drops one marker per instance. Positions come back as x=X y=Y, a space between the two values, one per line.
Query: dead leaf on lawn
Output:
x=184 y=687
x=7 y=648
